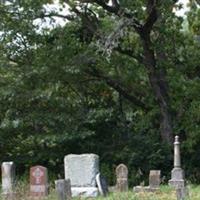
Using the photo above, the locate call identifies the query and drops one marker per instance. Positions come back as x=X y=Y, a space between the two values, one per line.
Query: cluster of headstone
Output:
x=82 y=178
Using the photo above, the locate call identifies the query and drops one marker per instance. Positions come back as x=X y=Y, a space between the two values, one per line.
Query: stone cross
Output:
x=8 y=179
x=154 y=179
x=38 y=181
x=63 y=189
x=122 y=178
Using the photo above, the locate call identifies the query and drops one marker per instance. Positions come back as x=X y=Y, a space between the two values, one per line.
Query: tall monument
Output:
x=177 y=174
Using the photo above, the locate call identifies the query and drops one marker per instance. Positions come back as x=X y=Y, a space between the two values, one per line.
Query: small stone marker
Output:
x=82 y=170
x=154 y=179
x=8 y=179
x=102 y=184
x=38 y=181
x=63 y=189
x=154 y=182
x=181 y=193
x=122 y=178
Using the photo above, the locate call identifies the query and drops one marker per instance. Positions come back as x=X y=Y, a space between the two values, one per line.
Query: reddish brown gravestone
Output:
x=38 y=181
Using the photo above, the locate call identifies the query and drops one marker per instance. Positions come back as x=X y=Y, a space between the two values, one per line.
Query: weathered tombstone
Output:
x=102 y=184
x=63 y=189
x=8 y=179
x=122 y=178
x=177 y=174
x=154 y=182
x=154 y=179
x=38 y=182
x=82 y=170
x=180 y=193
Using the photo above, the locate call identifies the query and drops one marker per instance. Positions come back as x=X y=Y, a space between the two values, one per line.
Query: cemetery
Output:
x=83 y=180
x=99 y=99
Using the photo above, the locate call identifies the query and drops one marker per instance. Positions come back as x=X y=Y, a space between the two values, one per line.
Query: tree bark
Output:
x=157 y=79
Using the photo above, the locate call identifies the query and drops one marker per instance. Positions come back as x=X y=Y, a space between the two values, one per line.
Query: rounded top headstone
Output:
x=121 y=171
x=38 y=166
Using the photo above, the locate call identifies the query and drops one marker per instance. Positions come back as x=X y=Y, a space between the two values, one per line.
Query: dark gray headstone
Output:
x=63 y=189
x=154 y=178
x=102 y=184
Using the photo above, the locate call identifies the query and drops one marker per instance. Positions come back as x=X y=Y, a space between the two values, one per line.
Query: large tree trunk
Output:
x=157 y=79
x=160 y=95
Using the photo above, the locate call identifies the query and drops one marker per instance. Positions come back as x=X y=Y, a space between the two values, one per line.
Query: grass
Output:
x=165 y=193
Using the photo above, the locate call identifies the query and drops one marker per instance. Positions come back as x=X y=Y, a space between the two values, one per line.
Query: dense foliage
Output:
x=118 y=79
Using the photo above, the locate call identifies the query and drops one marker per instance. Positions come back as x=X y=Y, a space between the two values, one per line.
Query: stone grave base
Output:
x=144 y=189
x=84 y=191
x=112 y=188
x=182 y=193
x=177 y=183
x=10 y=196
x=180 y=187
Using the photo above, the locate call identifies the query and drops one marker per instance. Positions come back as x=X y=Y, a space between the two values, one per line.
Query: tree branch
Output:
x=129 y=53
x=118 y=86
x=112 y=9
x=68 y=17
x=117 y=10
x=152 y=16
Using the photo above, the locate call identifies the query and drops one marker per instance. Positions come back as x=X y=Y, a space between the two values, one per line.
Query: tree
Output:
x=115 y=76
x=150 y=21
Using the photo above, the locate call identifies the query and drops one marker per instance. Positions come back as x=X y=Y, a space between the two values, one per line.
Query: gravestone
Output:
x=8 y=179
x=177 y=174
x=154 y=179
x=63 y=189
x=38 y=182
x=102 y=184
x=181 y=193
x=122 y=178
x=82 y=170
x=154 y=183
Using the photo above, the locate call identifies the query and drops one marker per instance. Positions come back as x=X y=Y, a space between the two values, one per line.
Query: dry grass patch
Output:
x=165 y=193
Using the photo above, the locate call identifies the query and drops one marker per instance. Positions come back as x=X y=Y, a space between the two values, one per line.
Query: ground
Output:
x=165 y=193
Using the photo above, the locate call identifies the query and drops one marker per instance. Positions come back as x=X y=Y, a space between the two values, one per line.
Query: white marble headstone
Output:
x=8 y=177
x=82 y=169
